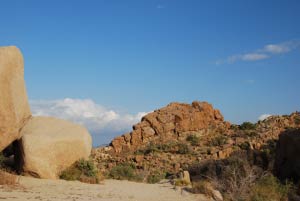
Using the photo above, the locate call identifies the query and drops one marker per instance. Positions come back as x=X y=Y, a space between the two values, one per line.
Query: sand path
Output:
x=110 y=190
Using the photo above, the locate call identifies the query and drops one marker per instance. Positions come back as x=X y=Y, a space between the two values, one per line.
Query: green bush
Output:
x=82 y=170
x=297 y=120
x=203 y=187
x=152 y=148
x=193 y=139
x=155 y=177
x=252 y=134
x=218 y=141
x=156 y=148
x=183 y=149
x=245 y=146
x=247 y=126
x=124 y=171
x=172 y=147
x=269 y=188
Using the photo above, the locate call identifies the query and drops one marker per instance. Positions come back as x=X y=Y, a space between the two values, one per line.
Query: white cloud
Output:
x=266 y=52
x=244 y=57
x=254 y=57
x=95 y=117
x=276 y=49
x=263 y=117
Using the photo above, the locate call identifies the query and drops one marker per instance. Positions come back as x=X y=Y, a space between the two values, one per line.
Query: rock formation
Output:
x=175 y=121
x=174 y=137
x=43 y=147
x=14 y=107
x=51 y=145
x=287 y=161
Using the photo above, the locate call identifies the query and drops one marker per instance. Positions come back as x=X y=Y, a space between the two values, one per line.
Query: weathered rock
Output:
x=176 y=120
x=287 y=155
x=51 y=145
x=185 y=176
x=14 y=107
x=217 y=196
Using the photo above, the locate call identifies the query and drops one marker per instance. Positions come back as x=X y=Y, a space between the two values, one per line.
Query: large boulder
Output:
x=14 y=107
x=51 y=145
x=287 y=163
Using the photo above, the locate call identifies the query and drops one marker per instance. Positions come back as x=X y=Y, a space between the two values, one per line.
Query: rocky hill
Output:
x=173 y=138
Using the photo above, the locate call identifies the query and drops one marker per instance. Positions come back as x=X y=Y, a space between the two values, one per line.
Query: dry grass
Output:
x=203 y=187
x=7 y=179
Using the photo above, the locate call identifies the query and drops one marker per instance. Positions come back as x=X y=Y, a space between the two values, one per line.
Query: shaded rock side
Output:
x=51 y=145
x=14 y=107
x=287 y=163
x=175 y=121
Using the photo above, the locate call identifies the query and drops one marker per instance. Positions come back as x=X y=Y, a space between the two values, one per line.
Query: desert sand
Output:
x=109 y=190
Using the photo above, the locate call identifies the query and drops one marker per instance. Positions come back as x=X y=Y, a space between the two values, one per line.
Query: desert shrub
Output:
x=87 y=167
x=252 y=134
x=82 y=170
x=232 y=176
x=218 y=141
x=157 y=148
x=193 y=139
x=202 y=187
x=297 y=120
x=124 y=171
x=269 y=188
x=152 y=148
x=155 y=177
x=234 y=127
x=172 y=147
x=247 y=126
x=183 y=149
x=245 y=146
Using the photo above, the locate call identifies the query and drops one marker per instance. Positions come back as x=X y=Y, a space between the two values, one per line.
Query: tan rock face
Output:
x=169 y=123
x=51 y=145
x=14 y=107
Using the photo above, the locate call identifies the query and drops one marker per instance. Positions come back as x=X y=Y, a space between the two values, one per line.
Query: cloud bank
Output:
x=265 y=52
x=96 y=118
x=263 y=117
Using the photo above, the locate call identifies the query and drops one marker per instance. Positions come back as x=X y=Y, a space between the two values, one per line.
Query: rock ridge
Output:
x=174 y=121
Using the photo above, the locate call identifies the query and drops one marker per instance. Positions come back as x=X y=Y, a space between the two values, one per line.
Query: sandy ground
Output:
x=110 y=190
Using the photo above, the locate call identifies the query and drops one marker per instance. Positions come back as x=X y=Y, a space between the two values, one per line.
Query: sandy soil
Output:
x=110 y=190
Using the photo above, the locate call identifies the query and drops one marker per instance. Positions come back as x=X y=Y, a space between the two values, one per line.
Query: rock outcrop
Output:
x=42 y=147
x=174 y=137
x=51 y=145
x=175 y=121
x=287 y=161
x=14 y=107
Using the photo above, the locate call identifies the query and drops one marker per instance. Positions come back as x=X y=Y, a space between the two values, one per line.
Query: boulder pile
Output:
x=44 y=146
x=175 y=121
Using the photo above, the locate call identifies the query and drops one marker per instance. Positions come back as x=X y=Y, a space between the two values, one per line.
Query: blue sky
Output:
x=123 y=58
